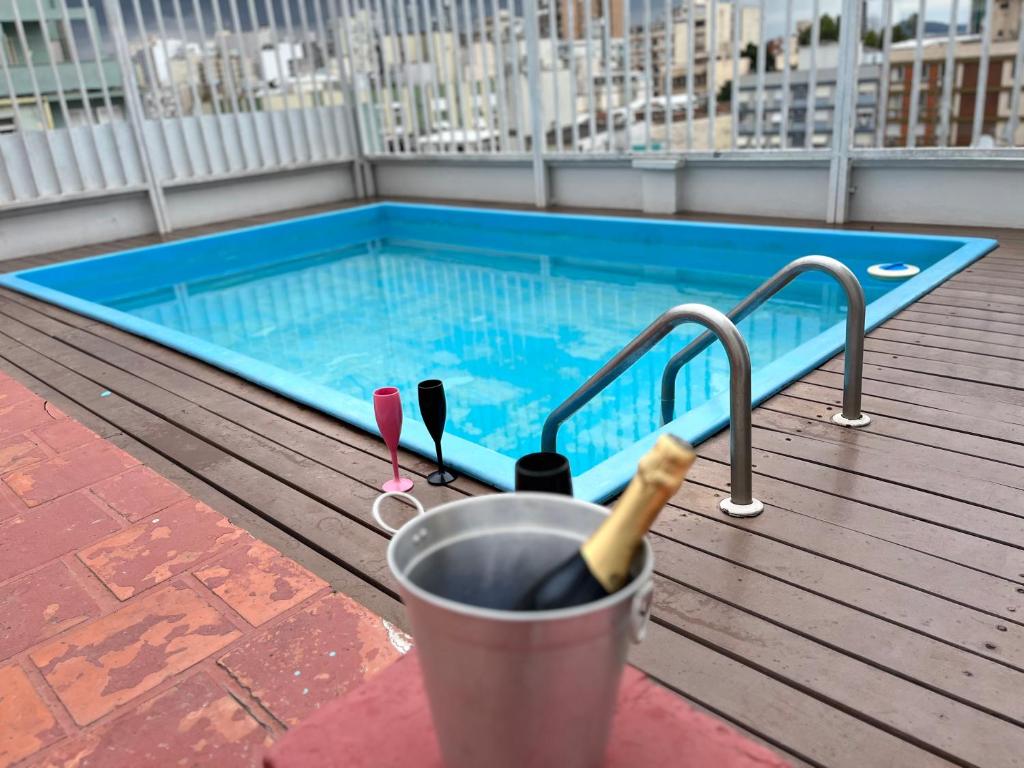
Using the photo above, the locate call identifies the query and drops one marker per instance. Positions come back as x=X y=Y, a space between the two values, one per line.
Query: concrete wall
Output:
x=595 y=185
x=968 y=192
x=496 y=180
x=203 y=203
x=38 y=229
x=786 y=188
x=27 y=230
x=962 y=191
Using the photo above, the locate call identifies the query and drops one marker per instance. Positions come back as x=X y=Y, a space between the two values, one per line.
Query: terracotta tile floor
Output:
x=140 y=627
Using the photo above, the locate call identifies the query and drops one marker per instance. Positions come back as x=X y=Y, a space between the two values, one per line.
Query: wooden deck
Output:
x=872 y=616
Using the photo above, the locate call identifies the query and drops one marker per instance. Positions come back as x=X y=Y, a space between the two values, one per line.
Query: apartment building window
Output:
x=10 y=51
x=7 y=124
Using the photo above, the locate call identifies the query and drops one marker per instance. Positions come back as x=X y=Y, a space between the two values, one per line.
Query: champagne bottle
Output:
x=601 y=566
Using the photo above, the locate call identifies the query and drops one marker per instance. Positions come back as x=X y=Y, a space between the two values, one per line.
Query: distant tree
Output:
x=903 y=30
x=828 y=30
x=750 y=52
x=725 y=92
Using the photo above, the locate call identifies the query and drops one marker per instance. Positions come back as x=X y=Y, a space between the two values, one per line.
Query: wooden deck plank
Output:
x=985 y=310
x=998 y=365
x=778 y=714
x=898 y=602
x=986 y=347
x=999 y=296
x=880 y=596
x=1003 y=385
x=843 y=454
x=939 y=319
x=916 y=658
x=935 y=721
x=853 y=498
x=1001 y=402
x=995 y=277
x=931 y=333
x=917 y=459
x=993 y=418
x=907 y=421
x=850 y=531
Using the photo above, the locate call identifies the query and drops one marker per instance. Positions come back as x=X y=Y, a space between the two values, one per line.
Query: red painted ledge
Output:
x=386 y=722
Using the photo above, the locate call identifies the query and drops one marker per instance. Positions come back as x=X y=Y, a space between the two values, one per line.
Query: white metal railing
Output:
x=689 y=75
x=103 y=96
x=107 y=96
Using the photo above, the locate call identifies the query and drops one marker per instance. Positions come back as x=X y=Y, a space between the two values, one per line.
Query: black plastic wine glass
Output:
x=434 y=410
x=545 y=471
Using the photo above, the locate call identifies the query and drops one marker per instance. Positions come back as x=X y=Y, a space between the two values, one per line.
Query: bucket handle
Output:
x=640 y=612
x=408 y=497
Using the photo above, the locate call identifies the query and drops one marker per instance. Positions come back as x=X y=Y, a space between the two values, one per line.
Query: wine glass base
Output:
x=442 y=477
x=402 y=484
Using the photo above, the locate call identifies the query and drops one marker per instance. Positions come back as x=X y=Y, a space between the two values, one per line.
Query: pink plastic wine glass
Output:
x=387 y=407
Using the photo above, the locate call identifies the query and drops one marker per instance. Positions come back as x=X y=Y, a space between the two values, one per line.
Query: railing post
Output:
x=136 y=116
x=843 y=115
x=361 y=170
x=540 y=178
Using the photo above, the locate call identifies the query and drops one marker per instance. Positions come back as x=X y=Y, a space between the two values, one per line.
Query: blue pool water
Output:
x=512 y=311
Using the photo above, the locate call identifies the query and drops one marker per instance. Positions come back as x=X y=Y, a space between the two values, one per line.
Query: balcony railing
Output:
x=103 y=96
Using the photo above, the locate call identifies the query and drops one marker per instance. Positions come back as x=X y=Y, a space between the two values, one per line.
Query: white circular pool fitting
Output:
x=893 y=270
x=731 y=508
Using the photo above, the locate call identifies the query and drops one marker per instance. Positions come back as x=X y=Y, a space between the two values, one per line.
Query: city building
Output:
x=967 y=51
x=1006 y=18
x=595 y=9
x=36 y=63
x=820 y=124
x=670 y=53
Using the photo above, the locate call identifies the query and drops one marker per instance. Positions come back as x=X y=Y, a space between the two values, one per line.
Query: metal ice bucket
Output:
x=514 y=689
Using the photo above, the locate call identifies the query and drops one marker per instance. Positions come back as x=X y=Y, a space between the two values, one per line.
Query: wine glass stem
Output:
x=440 y=459
x=394 y=460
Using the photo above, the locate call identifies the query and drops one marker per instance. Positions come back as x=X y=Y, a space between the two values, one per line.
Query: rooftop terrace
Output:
x=871 y=615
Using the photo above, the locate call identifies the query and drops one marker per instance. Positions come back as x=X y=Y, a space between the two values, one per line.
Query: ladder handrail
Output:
x=741 y=503
x=851 y=415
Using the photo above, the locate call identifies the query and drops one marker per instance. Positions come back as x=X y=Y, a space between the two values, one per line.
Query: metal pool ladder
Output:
x=851 y=415
x=741 y=503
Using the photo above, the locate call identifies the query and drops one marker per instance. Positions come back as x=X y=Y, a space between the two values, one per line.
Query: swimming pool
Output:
x=512 y=310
